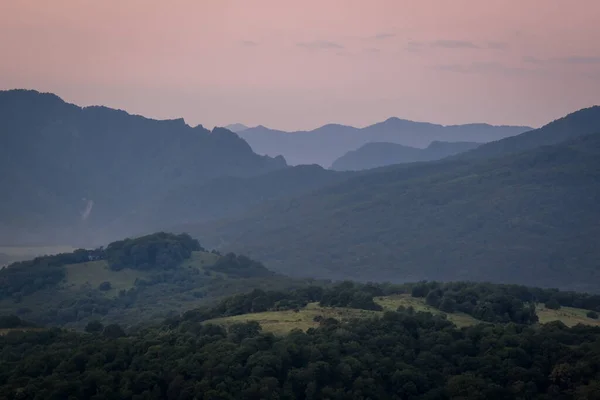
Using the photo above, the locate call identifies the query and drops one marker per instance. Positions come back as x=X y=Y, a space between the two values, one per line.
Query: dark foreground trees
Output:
x=403 y=355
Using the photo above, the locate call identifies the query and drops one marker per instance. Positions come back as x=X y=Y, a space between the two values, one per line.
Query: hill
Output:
x=326 y=144
x=527 y=218
x=71 y=171
x=373 y=155
x=404 y=353
x=579 y=123
x=130 y=282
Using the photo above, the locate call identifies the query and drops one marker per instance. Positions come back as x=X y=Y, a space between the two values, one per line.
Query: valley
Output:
x=268 y=200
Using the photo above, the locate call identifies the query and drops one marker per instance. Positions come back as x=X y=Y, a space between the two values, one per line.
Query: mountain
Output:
x=68 y=171
x=326 y=144
x=528 y=218
x=583 y=122
x=373 y=155
x=236 y=127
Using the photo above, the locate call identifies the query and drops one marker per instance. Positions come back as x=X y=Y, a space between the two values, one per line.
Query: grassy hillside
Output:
x=63 y=290
x=280 y=322
x=527 y=218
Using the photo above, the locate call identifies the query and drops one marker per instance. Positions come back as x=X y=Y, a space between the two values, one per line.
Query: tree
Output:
x=94 y=327
x=448 y=305
x=552 y=304
x=592 y=314
x=244 y=330
x=113 y=331
x=433 y=299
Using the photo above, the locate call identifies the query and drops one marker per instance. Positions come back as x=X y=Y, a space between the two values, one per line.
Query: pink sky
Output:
x=300 y=64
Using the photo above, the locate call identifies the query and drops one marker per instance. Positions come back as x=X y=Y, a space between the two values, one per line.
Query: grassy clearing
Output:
x=567 y=315
x=93 y=273
x=281 y=322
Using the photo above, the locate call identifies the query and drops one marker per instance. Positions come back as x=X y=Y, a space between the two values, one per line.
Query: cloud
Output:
x=482 y=67
x=454 y=44
x=249 y=43
x=457 y=44
x=497 y=45
x=532 y=60
x=573 y=60
x=321 y=44
x=578 y=60
x=382 y=36
x=372 y=50
x=414 y=46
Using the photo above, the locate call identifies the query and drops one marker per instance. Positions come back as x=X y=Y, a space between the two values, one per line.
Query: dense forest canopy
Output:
x=400 y=355
x=160 y=250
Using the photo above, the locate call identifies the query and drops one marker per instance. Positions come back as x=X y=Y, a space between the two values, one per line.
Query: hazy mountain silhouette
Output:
x=326 y=144
x=226 y=197
x=373 y=155
x=529 y=217
x=583 y=122
x=236 y=127
x=68 y=171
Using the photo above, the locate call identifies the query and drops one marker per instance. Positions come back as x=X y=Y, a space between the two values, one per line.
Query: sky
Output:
x=295 y=65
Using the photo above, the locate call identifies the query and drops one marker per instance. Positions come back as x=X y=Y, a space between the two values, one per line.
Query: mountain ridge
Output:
x=525 y=217
x=379 y=154
x=327 y=143
x=56 y=157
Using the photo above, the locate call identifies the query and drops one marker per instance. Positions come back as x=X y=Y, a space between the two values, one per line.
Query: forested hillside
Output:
x=579 y=123
x=528 y=218
x=70 y=173
x=403 y=354
x=230 y=196
x=131 y=282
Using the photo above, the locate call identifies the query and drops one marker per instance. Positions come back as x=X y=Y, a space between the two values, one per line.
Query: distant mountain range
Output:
x=236 y=127
x=372 y=155
x=514 y=210
x=69 y=172
x=326 y=144
x=511 y=210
